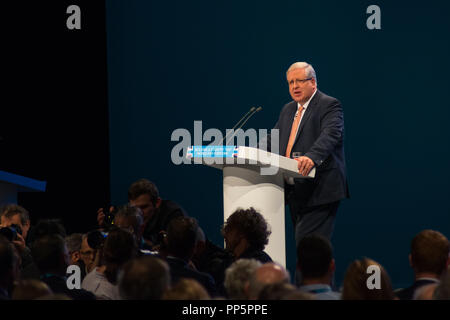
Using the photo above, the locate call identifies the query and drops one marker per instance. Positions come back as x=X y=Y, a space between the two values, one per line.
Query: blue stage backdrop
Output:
x=171 y=63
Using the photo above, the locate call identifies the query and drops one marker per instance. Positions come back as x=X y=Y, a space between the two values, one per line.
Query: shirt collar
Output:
x=316 y=288
x=307 y=102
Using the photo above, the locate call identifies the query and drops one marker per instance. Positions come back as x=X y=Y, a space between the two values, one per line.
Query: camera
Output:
x=109 y=216
x=11 y=232
x=96 y=239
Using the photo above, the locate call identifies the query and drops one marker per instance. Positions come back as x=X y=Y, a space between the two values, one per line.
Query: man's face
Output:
x=232 y=239
x=144 y=203
x=300 y=90
x=15 y=219
x=87 y=254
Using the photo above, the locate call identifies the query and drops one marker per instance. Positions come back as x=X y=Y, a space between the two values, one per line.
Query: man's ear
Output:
x=158 y=202
x=332 y=267
x=75 y=256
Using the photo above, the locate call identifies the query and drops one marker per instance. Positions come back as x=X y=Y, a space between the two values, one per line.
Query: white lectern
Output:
x=255 y=178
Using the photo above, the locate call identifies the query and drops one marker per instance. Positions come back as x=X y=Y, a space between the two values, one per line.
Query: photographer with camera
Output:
x=14 y=225
x=156 y=212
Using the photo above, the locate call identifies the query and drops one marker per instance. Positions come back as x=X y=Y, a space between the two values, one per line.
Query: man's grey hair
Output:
x=132 y=212
x=256 y=285
x=237 y=275
x=310 y=72
x=12 y=209
x=73 y=242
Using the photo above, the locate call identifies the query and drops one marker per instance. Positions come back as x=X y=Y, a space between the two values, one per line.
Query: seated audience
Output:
x=236 y=277
x=355 y=282
x=429 y=258
x=181 y=237
x=246 y=233
x=119 y=248
x=316 y=264
x=144 y=278
x=187 y=289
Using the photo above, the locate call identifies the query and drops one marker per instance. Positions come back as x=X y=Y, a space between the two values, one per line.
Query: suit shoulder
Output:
x=324 y=98
x=289 y=106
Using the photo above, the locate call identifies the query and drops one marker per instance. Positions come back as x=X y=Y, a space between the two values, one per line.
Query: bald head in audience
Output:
x=268 y=273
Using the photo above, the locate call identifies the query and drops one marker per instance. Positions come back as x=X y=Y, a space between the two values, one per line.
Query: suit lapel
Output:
x=307 y=114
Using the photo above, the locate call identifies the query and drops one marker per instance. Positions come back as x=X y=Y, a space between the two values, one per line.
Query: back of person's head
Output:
x=143 y=186
x=50 y=254
x=187 y=289
x=9 y=261
x=144 y=278
x=47 y=227
x=251 y=225
x=181 y=237
x=237 y=275
x=314 y=256
x=355 y=286
x=129 y=218
x=430 y=252
x=30 y=289
x=268 y=273
x=119 y=248
x=442 y=291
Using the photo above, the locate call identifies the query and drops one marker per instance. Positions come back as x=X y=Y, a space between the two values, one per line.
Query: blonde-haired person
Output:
x=356 y=286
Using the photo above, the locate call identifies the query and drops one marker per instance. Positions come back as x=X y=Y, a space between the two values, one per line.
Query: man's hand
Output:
x=305 y=165
x=100 y=217
x=19 y=243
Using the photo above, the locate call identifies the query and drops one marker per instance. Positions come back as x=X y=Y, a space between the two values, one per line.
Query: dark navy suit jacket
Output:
x=321 y=138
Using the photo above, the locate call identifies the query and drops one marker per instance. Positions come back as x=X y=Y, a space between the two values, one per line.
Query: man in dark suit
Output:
x=313 y=125
x=429 y=259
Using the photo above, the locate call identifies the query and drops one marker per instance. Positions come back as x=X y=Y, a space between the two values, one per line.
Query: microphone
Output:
x=248 y=118
x=245 y=115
